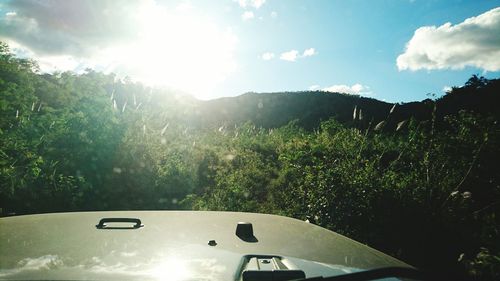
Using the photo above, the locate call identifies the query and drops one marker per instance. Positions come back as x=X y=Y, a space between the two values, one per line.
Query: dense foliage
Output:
x=423 y=187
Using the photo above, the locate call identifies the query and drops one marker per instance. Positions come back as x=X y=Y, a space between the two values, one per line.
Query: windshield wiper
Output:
x=375 y=274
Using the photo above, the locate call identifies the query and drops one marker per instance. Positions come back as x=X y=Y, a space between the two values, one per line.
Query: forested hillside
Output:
x=419 y=181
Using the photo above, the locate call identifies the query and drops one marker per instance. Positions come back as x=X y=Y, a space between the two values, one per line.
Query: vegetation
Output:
x=418 y=181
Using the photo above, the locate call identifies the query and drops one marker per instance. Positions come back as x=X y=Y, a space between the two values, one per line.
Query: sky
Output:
x=396 y=51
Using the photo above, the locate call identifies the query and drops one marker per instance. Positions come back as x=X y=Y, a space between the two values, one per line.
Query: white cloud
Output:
x=473 y=42
x=290 y=55
x=314 y=87
x=184 y=6
x=267 y=56
x=309 y=52
x=247 y=15
x=293 y=55
x=258 y=3
x=446 y=89
x=251 y=3
x=242 y=3
x=274 y=14
x=356 y=89
x=57 y=26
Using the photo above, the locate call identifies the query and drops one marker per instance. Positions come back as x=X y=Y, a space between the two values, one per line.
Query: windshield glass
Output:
x=372 y=121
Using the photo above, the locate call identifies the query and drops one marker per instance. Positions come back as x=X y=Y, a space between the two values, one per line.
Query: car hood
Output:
x=171 y=245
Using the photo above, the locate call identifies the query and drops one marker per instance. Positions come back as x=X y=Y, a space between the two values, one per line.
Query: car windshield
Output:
x=303 y=138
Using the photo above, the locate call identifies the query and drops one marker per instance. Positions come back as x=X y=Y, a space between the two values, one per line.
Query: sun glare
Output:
x=171 y=269
x=177 y=48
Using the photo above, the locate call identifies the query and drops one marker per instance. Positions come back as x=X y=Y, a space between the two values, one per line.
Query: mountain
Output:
x=309 y=108
x=271 y=110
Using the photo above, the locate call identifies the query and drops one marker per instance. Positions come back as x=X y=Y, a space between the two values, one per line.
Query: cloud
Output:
x=314 y=87
x=251 y=3
x=290 y=55
x=274 y=14
x=356 y=89
x=446 y=89
x=474 y=42
x=247 y=15
x=267 y=56
x=184 y=6
x=309 y=52
x=293 y=55
x=69 y=26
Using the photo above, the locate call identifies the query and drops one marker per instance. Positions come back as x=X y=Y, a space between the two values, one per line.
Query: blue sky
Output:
x=225 y=48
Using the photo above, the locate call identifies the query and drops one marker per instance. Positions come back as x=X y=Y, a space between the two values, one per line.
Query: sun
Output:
x=178 y=48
